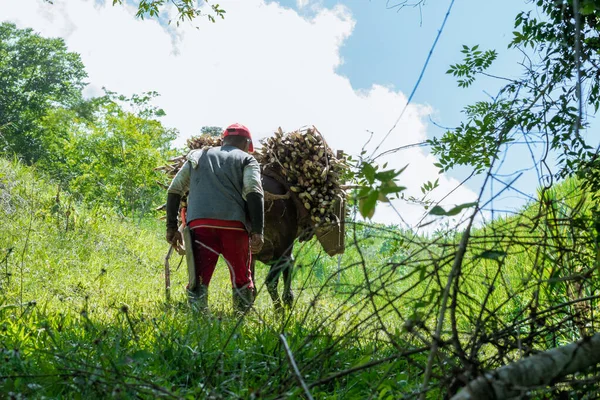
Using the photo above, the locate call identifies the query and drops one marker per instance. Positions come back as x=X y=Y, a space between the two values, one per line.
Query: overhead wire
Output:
x=422 y=73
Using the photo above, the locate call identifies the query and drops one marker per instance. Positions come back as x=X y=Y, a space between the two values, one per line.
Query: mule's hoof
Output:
x=288 y=299
x=277 y=305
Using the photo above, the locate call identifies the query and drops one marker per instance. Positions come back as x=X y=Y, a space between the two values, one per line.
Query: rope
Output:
x=272 y=196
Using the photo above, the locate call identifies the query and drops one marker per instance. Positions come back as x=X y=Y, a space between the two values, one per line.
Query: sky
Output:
x=345 y=67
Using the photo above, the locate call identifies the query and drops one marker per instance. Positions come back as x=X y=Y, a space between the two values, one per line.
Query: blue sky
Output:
x=287 y=71
x=389 y=46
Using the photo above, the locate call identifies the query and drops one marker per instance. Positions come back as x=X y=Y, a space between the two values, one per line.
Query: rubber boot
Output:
x=243 y=299
x=198 y=298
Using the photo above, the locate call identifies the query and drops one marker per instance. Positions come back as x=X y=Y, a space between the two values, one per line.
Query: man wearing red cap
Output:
x=225 y=213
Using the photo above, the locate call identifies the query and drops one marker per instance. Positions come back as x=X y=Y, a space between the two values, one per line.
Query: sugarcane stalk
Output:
x=301 y=157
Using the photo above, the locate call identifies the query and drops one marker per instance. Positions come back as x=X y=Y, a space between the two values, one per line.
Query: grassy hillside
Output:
x=83 y=312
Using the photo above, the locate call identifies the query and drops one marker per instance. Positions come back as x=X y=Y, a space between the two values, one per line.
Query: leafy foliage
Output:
x=110 y=157
x=187 y=10
x=550 y=103
x=475 y=62
x=103 y=149
x=374 y=185
x=476 y=142
x=36 y=75
x=211 y=131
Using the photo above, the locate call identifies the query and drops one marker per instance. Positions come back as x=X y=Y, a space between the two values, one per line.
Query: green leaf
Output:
x=422 y=271
x=391 y=189
x=419 y=304
x=432 y=296
x=437 y=210
x=587 y=9
x=369 y=172
x=386 y=176
x=456 y=210
x=383 y=392
x=363 y=192
x=367 y=205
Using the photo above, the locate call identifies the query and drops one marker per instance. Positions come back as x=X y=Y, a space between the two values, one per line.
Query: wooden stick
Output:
x=326 y=149
x=168 y=274
x=348 y=187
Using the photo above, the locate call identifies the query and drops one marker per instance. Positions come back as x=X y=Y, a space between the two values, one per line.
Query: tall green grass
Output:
x=83 y=314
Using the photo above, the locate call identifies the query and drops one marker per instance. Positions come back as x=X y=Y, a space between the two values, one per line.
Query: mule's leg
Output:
x=288 y=269
x=273 y=280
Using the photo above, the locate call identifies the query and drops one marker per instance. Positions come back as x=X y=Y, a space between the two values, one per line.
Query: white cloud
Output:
x=302 y=3
x=264 y=66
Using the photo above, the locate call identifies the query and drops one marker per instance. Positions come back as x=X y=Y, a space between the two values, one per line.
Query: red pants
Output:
x=233 y=244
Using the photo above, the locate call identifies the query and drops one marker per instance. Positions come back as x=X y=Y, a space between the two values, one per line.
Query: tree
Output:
x=104 y=149
x=109 y=153
x=187 y=10
x=211 y=130
x=511 y=380
x=560 y=86
x=36 y=75
x=552 y=102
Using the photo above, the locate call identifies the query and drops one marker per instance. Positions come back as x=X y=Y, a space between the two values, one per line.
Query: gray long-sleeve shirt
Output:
x=218 y=180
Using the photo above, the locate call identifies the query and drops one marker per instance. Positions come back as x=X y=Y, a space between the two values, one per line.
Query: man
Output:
x=225 y=214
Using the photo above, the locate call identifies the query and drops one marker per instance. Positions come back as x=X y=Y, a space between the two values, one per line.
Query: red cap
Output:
x=239 y=130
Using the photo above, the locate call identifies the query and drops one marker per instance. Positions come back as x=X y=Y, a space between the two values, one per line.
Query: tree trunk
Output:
x=532 y=372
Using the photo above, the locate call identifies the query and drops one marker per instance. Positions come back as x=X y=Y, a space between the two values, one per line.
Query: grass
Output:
x=83 y=311
x=83 y=314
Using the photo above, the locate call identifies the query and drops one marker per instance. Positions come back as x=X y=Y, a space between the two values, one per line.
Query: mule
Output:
x=282 y=228
x=285 y=221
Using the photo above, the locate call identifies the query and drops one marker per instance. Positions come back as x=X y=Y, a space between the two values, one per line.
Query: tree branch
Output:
x=539 y=370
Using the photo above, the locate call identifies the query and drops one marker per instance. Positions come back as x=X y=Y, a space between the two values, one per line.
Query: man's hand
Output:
x=256 y=242
x=174 y=237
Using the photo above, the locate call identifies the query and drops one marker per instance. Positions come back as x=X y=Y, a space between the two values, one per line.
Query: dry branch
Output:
x=295 y=369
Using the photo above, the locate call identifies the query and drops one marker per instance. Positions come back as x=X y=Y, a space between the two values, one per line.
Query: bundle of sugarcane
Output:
x=302 y=158
x=310 y=168
x=199 y=142
x=176 y=163
x=193 y=143
x=172 y=168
